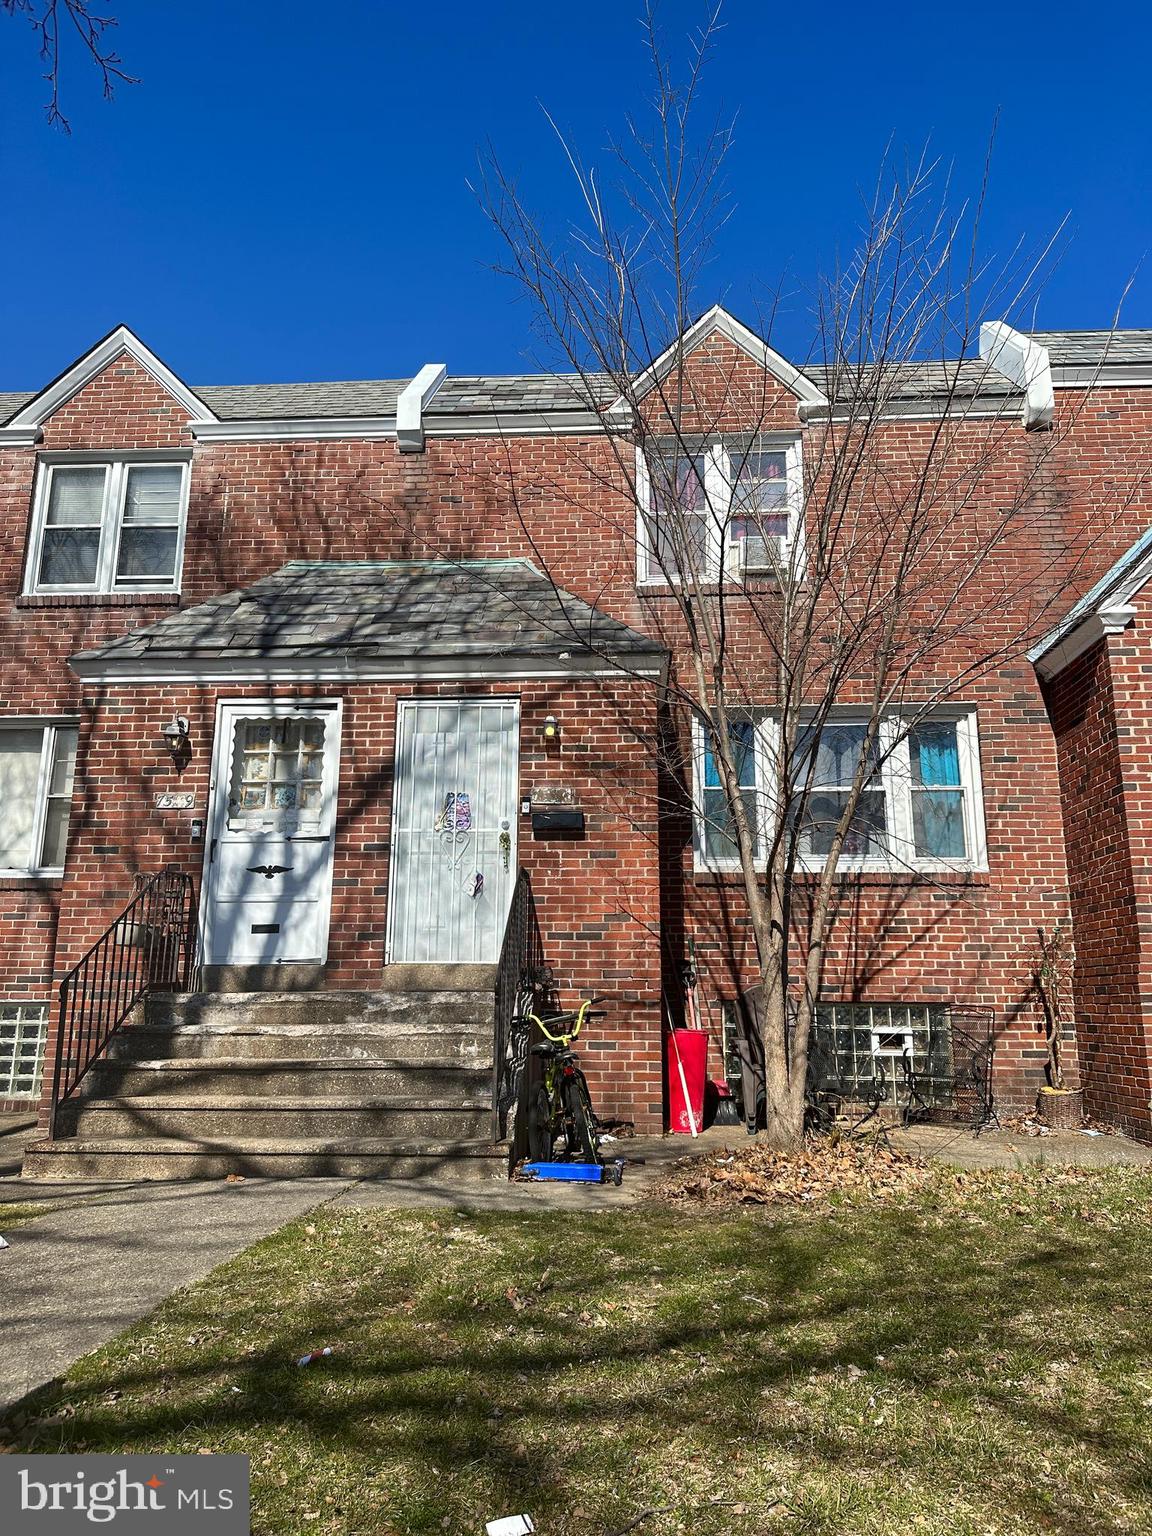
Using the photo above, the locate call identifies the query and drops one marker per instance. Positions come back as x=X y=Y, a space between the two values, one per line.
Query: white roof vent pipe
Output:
x=410 y=406
x=1025 y=362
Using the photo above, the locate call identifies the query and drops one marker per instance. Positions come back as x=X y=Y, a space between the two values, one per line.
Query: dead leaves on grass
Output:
x=833 y=1169
x=821 y=1170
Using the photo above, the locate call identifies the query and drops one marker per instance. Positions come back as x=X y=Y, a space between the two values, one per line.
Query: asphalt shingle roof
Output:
x=389 y=610
x=509 y=394
x=1092 y=348
x=260 y=402
x=520 y=392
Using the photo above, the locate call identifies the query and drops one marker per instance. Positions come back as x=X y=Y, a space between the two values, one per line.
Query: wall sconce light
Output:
x=176 y=733
x=551 y=728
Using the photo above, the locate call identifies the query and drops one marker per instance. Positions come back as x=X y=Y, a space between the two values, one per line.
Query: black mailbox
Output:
x=546 y=822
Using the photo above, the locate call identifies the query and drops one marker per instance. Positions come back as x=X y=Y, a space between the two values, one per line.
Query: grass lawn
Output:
x=942 y=1363
x=15 y=1213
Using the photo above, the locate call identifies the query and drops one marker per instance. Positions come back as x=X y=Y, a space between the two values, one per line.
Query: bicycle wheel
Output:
x=541 y=1132
x=579 y=1120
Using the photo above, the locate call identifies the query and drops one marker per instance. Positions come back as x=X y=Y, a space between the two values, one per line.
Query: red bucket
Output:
x=692 y=1045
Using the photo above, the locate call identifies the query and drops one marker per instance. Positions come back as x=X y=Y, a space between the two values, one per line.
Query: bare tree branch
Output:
x=49 y=19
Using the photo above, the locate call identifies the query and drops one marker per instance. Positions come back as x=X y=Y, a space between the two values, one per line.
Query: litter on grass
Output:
x=510 y=1525
x=317 y=1354
x=3 y=1242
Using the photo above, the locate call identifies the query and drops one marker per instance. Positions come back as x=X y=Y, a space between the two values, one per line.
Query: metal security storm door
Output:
x=453 y=830
x=269 y=869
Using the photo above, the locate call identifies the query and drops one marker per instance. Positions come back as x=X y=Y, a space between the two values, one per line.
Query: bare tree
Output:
x=822 y=611
x=55 y=20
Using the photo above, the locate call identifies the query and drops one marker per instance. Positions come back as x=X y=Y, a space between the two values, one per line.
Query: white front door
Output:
x=453 y=830
x=269 y=873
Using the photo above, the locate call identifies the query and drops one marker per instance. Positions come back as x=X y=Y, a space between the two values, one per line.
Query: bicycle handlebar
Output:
x=584 y=1011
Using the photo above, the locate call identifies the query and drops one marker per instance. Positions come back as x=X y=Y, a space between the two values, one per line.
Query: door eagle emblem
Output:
x=268 y=870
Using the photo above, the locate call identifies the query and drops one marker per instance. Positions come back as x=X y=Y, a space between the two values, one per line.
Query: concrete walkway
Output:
x=77 y=1276
x=1013 y=1149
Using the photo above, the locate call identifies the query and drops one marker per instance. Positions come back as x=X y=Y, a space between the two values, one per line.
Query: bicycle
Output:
x=561 y=1104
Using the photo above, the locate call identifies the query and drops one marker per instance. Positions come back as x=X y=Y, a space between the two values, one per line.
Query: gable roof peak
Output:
x=718 y=319
x=25 y=425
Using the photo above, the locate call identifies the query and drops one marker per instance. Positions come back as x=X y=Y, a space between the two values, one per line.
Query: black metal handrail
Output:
x=149 y=947
x=524 y=984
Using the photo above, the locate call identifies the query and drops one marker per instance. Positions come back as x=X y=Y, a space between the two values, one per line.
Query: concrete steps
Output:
x=325 y=1118
x=364 y=1077
x=223 y=1041
x=276 y=1084
x=158 y=1158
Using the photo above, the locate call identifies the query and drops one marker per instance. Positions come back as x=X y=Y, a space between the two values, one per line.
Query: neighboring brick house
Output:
x=389 y=623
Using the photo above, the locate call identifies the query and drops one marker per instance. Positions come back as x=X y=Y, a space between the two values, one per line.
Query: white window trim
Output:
x=895 y=779
x=715 y=453
x=111 y=524
x=47 y=729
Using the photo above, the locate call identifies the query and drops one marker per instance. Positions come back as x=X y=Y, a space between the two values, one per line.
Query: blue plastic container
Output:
x=573 y=1173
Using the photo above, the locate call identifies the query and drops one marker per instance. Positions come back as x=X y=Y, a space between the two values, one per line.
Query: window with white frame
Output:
x=721 y=507
x=717 y=828
x=920 y=807
x=37 y=766
x=116 y=526
x=23 y=1031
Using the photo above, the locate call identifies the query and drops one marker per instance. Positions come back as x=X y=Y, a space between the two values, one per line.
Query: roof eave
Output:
x=97 y=667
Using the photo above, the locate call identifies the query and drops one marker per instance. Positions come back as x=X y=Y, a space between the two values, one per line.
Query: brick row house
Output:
x=352 y=655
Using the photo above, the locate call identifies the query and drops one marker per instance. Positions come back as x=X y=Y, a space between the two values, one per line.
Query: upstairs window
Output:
x=37 y=766
x=724 y=507
x=111 y=527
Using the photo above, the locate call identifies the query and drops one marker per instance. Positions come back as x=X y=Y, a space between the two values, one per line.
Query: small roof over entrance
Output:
x=386 y=618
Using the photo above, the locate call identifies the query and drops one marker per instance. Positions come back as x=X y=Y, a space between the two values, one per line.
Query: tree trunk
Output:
x=784 y=1113
x=783 y=1093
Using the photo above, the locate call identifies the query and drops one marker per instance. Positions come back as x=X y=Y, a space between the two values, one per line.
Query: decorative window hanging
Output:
x=457 y=813
x=454 y=824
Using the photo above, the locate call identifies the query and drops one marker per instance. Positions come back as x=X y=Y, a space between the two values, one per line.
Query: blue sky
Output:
x=285 y=194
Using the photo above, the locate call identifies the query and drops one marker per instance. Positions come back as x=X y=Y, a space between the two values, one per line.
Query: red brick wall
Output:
x=962 y=940
x=598 y=895
x=254 y=505
x=1095 y=754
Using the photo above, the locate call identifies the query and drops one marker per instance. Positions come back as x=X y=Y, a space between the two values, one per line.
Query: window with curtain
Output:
x=109 y=527
x=720 y=507
x=937 y=791
x=37 y=769
x=920 y=807
x=761 y=509
x=677 y=534
x=718 y=829
x=825 y=764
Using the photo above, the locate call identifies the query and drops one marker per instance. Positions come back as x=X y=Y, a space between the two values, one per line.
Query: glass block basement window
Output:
x=858 y=1045
x=23 y=1028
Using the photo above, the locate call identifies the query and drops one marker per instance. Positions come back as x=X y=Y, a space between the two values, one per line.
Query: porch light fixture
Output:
x=176 y=732
x=551 y=728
